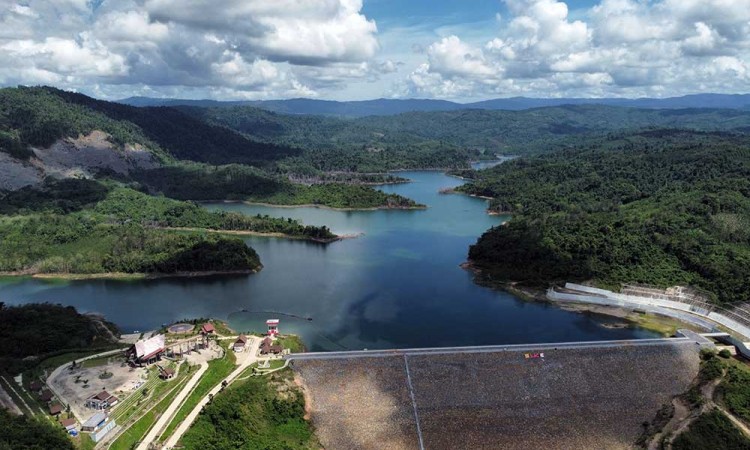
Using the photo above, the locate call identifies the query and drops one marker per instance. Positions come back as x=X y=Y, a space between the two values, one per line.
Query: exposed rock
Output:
x=87 y=155
x=82 y=157
x=15 y=174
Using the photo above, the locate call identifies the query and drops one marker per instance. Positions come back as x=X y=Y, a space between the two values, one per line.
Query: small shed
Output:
x=240 y=343
x=55 y=409
x=45 y=396
x=166 y=373
x=68 y=424
x=208 y=328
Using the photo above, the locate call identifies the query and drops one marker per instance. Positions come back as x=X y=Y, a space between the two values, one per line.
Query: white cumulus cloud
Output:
x=615 y=48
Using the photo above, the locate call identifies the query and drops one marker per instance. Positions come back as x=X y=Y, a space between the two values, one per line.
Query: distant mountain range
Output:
x=387 y=107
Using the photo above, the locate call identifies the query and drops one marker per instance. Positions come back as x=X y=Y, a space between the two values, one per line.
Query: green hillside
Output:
x=661 y=207
x=88 y=227
x=407 y=137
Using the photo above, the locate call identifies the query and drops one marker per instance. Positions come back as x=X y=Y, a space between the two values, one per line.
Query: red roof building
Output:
x=45 y=396
x=166 y=373
x=68 y=424
x=208 y=328
x=102 y=400
x=55 y=409
x=240 y=343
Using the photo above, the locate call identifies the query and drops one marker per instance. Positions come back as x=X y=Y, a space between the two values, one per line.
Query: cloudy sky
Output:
x=460 y=50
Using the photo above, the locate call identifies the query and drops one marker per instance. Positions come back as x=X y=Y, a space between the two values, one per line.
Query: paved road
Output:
x=165 y=418
x=488 y=348
x=246 y=358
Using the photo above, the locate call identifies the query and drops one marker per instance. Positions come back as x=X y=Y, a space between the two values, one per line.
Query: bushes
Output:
x=24 y=433
x=259 y=413
x=711 y=430
x=736 y=391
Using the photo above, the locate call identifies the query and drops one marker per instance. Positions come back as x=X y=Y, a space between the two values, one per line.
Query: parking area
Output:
x=112 y=374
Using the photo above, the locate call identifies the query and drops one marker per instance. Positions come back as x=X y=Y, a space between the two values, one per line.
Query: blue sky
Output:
x=461 y=50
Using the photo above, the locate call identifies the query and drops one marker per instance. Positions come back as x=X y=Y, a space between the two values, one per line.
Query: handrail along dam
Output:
x=558 y=395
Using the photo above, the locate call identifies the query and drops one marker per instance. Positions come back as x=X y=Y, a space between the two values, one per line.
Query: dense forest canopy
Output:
x=478 y=131
x=86 y=226
x=37 y=329
x=662 y=207
x=29 y=433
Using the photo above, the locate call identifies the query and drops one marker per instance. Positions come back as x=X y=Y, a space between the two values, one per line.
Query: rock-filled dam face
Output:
x=565 y=397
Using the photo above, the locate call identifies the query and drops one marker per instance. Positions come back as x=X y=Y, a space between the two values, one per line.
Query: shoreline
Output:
x=263 y=234
x=124 y=276
x=657 y=323
x=491 y=212
x=332 y=208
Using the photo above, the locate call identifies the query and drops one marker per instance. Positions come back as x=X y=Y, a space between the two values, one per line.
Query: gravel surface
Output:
x=573 y=398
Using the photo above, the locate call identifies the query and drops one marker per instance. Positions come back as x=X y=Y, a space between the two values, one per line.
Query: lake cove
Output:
x=397 y=285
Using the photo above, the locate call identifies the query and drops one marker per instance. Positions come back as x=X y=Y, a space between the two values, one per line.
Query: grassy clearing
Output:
x=292 y=342
x=139 y=399
x=663 y=325
x=218 y=369
x=135 y=433
x=103 y=361
x=84 y=442
x=261 y=412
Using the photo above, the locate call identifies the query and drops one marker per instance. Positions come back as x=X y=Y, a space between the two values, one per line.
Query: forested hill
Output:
x=509 y=132
x=40 y=115
x=386 y=107
x=662 y=207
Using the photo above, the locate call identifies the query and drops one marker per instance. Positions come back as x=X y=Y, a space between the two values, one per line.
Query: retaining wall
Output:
x=663 y=306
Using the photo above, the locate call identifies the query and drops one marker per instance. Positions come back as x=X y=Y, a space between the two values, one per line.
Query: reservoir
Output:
x=397 y=285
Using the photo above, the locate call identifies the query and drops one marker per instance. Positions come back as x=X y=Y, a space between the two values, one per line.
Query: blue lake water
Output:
x=398 y=285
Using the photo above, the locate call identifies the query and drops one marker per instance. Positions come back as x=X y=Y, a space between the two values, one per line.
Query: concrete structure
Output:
x=101 y=401
x=273 y=327
x=147 y=351
x=579 y=395
x=103 y=430
x=94 y=422
x=670 y=302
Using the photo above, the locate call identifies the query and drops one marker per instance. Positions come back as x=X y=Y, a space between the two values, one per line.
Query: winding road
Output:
x=248 y=357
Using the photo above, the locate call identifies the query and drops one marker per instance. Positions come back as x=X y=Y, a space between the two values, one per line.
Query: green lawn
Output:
x=218 y=369
x=292 y=342
x=6 y=385
x=135 y=433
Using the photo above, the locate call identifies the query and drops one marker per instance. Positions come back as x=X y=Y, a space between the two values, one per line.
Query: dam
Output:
x=557 y=395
